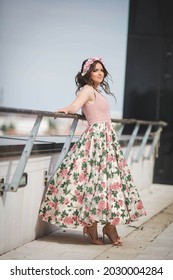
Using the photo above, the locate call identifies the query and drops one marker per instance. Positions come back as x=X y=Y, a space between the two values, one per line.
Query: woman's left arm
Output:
x=79 y=101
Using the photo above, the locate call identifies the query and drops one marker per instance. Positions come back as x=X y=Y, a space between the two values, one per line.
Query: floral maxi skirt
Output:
x=93 y=183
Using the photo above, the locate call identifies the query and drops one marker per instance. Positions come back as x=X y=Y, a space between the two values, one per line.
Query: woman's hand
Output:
x=66 y=110
x=63 y=110
x=70 y=109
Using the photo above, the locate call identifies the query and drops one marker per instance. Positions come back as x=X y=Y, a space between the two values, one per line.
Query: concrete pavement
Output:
x=151 y=237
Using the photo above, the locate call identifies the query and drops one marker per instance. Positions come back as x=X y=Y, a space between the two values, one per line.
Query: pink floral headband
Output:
x=88 y=63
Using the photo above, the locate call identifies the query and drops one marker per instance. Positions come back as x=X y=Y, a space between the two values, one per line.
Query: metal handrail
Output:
x=13 y=186
x=21 y=111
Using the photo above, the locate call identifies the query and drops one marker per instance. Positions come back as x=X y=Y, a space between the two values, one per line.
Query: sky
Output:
x=44 y=42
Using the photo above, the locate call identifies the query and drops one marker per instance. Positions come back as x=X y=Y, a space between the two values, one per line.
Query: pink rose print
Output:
x=127 y=189
x=73 y=148
x=120 y=203
x=140 y=205
x=75 y=218
x=109 y=207
x=103 y=184
x=52 y=204
x=88 y=195
x=87 y=145
x=53 y=189
x=110 y=158
x=101 y=205
x=87 y=208
x=80 y=199
x=91 y=129
x=115 y=186
x=98 y=169
x=92 y=218
x=122 y=163
x=68 y=220
x=77 y=193
x=116 y=221
x=103 y=166
x=66 y=200
x=46 y=216
x=64 y=172
x=82 y=177
x=102 y=196
x=133 y=217
x=108 y=138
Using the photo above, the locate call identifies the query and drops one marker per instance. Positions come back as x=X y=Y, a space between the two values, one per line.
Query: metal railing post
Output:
x=143 y=143
x=119 y=130
x=13 y=186
x=132 y=140
x=154 y=143
x=65 y=149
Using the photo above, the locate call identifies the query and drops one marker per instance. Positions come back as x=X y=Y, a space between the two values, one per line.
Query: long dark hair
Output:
x=82 y=80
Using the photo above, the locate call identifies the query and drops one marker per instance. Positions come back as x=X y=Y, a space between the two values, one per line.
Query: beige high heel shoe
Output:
x=112 y=234
x=91 y=231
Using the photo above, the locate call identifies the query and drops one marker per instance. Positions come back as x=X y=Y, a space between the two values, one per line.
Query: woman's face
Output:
x=97 y=75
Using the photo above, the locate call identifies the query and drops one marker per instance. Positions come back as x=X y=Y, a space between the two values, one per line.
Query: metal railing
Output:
x=148 y=135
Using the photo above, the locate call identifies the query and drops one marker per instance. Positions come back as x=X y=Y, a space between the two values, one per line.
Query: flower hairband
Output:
x=88 y=63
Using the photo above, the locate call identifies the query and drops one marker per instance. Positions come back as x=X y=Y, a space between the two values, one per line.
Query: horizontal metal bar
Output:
x=74 y=116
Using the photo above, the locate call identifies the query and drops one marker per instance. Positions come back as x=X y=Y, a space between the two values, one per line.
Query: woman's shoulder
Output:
x=87 y=89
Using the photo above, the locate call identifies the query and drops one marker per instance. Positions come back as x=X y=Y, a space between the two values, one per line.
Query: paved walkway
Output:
x=151 y=237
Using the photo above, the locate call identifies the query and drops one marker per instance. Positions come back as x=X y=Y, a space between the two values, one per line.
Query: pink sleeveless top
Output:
x=98 y=111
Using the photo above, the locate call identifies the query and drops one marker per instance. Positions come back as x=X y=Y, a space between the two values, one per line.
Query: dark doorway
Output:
x=149 y=74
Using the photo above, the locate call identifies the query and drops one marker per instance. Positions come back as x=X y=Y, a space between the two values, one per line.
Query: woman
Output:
x=93 y=183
